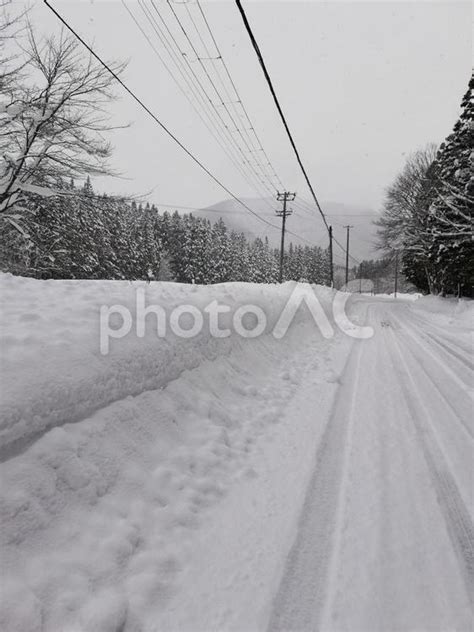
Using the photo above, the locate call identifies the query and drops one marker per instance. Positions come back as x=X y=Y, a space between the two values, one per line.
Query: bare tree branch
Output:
x=51 y=127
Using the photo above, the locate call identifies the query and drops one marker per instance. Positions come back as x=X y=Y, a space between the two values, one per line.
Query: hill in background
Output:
x=305 y=223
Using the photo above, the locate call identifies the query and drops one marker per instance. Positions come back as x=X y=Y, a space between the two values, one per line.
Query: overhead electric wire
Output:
x=177 y=59
x=303 y=205
x=168 y=46
x=178 y=84
x=196 y=86
x=310 y=206
x=240 y=101
x=214 y=87
x=300 y=207
x=224 y=212
x=232 y=101
x=344 y=251
x=277 y=103
x=157 y=53
x=154 y=117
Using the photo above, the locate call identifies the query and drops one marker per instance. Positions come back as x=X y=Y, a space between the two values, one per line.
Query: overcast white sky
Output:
x=362 y=84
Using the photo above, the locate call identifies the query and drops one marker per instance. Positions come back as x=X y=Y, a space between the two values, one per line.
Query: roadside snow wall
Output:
x=53 y=371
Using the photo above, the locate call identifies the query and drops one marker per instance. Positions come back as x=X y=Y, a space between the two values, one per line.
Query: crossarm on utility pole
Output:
x=283 y=197
x=348 y=228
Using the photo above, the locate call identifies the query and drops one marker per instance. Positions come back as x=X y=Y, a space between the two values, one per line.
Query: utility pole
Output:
x=348 y=228
x=283 y=197
x=360 y=279
x=331 y=264
x=396 y=273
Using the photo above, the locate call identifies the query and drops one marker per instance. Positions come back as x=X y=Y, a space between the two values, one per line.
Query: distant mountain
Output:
x=306 y=223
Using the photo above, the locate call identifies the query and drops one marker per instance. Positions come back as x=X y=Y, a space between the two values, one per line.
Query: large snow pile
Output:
x=451 y=309
x=109 y=461
x=53 y=370
x=401 y=296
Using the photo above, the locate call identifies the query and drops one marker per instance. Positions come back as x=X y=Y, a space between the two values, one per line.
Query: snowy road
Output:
x=260 y=485
x=386 y=540
x=382 y=538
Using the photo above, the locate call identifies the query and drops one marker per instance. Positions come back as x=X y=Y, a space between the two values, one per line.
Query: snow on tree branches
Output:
x=428 y=211
x=52 y=120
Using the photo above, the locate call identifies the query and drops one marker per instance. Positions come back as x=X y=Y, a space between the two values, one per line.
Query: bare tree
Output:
x=406 y=205
x=52 y=122
x=10 y=28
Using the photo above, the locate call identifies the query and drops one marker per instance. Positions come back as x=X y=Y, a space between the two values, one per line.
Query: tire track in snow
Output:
x=442 y=340
x=308 y=584
x=440 y=384
x=428 y=338
x=451 y=352
x=431 y=338
x=456 y=515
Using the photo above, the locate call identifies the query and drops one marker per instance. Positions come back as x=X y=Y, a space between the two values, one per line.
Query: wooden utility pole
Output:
x=396 y=273
x=348 y=228
x=283 y=197
x=331 y=264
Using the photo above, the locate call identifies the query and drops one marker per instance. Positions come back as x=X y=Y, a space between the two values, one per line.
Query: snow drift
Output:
x=53 y=371
x=110 y=461
x=458 y=310
x=161 y=484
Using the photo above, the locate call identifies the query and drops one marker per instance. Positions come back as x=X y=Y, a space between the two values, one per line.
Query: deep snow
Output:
x=169 y=485
x=111 y=462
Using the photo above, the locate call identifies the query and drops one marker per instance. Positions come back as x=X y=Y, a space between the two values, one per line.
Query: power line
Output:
x=284 y=213
x=304 y=209
x=344 y=251
x=215 y=89
x=232 y=101
x=227 y=212
x=309 y=206
x=348 y=229
x=197 y=208
x=277 y=103
x=153 y=116
x=208 y=101
x=163 y=126
x=239 y=99
x=172 y=75
x=165 y=42
x=302 y=206
x=203 y=101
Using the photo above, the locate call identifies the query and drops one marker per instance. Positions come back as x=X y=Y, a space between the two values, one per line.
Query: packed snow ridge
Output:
x=159 y=486
x=110 y=460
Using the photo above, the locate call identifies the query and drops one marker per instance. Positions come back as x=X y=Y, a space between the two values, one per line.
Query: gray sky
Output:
x=362 y=84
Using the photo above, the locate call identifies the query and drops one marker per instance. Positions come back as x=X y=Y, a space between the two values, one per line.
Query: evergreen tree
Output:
x=219 y=254
x=238 y=257
x=86 y=235
x=451 y=212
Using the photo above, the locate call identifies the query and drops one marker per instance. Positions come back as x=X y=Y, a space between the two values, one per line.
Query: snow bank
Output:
x=404 y=296
x=98 y=515
x=460 y=311
x=53 y=371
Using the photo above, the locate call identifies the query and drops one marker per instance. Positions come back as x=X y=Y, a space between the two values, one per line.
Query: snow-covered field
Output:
x=231 y=483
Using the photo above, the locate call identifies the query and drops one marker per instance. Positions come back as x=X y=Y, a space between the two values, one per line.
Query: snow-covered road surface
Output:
x=385 y=539
x=298 y=484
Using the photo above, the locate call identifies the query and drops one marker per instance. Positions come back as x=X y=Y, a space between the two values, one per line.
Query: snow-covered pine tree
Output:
x=219 y=254
x=177 y=229
x=271 y=263
x=258 y=263
x=451 y=213
x=238 y=257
